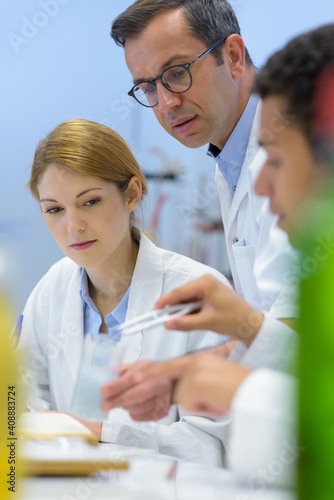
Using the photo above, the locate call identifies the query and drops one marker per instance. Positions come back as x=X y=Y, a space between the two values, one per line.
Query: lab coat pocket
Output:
x=244 y=258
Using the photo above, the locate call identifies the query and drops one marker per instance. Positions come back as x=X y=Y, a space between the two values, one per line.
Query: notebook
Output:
x=54 y=443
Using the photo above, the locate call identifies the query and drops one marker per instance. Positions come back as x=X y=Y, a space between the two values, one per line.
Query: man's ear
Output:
x=133 y=193
x=235 y=55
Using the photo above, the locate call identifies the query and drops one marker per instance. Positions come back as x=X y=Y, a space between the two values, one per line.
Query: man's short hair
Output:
x=208 y=20
x=293 y=73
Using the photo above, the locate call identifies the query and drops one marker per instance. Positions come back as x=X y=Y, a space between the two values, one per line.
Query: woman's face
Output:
x=87 y=216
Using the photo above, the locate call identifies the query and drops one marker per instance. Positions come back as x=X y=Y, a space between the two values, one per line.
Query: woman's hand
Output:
x=94 y=427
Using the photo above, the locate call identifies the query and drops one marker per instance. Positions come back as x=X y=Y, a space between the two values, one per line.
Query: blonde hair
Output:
x=88 y=148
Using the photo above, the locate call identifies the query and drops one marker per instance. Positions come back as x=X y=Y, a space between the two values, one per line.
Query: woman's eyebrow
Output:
x=87 y=191
x=78 y=195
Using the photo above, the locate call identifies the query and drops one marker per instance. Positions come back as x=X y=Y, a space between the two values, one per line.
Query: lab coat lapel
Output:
x=225 y=197
x=72 y=342
x=251 y=152
x=146 y=288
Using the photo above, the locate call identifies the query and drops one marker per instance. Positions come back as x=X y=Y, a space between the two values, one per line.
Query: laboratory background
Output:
x=59 y=62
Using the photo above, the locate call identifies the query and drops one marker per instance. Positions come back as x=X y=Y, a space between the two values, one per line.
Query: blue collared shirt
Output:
x=92 y=317
x=231 y=157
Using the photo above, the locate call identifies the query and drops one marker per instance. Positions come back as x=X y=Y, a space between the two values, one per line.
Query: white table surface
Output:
x=146 y=480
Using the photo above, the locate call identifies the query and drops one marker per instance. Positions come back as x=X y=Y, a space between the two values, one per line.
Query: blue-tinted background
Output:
x=58 y=62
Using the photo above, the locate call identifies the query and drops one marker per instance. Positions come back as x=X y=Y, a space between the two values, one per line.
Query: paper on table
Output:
x=49 y=425
x=57 y=444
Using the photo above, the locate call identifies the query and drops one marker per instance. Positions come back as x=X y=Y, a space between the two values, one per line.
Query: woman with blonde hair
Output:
x=88 y=185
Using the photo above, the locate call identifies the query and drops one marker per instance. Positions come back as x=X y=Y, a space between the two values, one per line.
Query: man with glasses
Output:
x=176 y=79
x=190 y=65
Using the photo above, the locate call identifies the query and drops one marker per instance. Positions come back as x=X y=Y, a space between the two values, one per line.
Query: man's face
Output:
x=289 y=174
x=209 y=110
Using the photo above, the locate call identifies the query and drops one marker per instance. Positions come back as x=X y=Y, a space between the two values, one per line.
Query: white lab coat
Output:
x=259 y=252
x=261 y=261
x=263 y=443
x=52 y=333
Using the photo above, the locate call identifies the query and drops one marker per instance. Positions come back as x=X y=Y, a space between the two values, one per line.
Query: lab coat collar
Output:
x=231 y=158
x=253 y=149
x=72 y=330
x=146 y=286
x=145 y=277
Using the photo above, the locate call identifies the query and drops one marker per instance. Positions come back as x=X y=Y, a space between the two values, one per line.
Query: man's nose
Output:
x=167 y=100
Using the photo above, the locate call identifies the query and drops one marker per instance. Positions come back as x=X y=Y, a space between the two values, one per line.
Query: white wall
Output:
x=58 y=62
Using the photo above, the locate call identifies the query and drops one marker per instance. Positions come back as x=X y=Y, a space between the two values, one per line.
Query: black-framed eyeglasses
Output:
x=176 y=79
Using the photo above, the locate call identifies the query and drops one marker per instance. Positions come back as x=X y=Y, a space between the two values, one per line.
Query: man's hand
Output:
x=145 y=388
x=145 y=398
x=222 y=310
x=209 y=384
